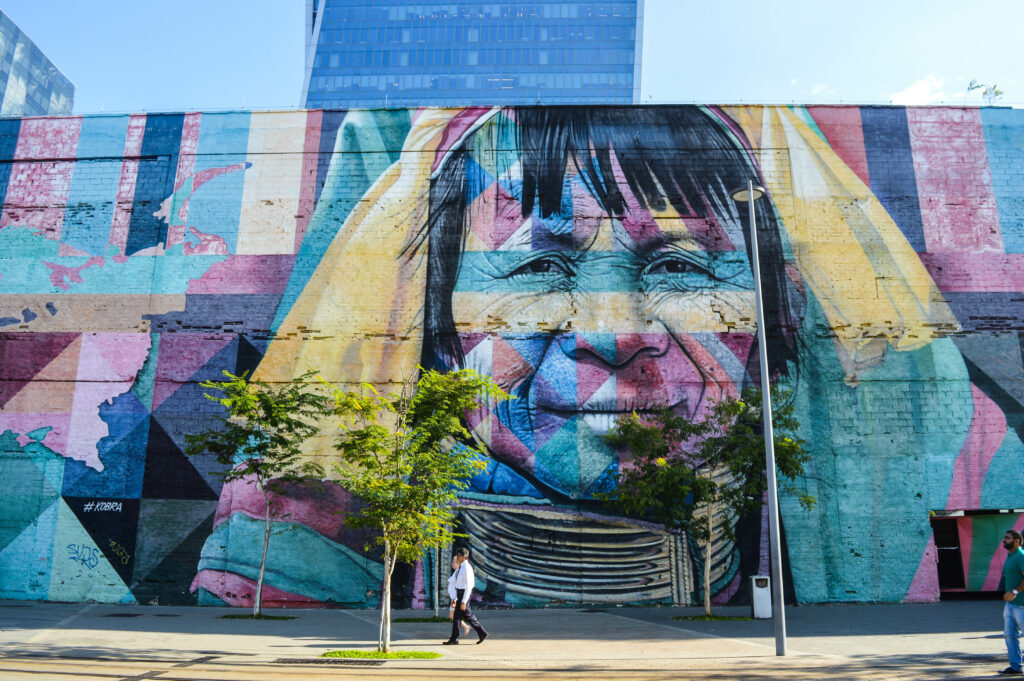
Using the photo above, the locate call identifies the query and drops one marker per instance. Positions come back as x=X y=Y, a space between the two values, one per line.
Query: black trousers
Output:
x=468 y=616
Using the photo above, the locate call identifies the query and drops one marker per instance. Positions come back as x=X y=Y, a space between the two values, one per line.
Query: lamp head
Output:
x=744 y=193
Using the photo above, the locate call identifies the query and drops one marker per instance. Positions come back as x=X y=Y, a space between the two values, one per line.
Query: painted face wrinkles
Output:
x=637 y=314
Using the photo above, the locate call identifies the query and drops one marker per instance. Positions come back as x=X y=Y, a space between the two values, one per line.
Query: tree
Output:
x=680 y=466
x=990 y=93
x=405 y=457
x=261 y=438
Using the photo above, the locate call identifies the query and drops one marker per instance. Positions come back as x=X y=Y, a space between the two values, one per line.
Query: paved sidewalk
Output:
x=956 y=640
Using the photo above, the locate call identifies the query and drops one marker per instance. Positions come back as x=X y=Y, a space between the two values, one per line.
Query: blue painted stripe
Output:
x=154 y=182
x=216 y=206
x=330 y=123
x=9 y=130
x=1004 y=142
x=94 y=181
x=891 y=168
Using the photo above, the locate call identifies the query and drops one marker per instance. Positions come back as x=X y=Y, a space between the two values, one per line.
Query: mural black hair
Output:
x=680 y=156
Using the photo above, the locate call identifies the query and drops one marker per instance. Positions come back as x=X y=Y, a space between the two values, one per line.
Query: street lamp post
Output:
x=749 y=195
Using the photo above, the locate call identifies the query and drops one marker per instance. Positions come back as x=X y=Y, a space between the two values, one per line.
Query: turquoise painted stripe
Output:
x=94 y=181
x=1004 y=142
x=300 y=561
x=216 y=206
x=605 y=272
x=28 y=272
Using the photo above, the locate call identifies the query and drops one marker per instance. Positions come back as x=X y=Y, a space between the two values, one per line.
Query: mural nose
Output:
x=614 y=349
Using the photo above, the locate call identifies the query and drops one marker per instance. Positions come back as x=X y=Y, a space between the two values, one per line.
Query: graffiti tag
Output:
x=120 y=551
x=89 y=556
x=101 y=506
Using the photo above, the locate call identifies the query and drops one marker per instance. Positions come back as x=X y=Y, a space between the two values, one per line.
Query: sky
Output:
x=157 y=55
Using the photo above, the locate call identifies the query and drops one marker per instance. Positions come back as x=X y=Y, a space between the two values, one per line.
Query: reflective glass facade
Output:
x=30 y=85
x=372 y=53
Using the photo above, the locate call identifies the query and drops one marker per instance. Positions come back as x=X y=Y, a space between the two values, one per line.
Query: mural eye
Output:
x=541 y=266
x=675 y=265
x=672 y=267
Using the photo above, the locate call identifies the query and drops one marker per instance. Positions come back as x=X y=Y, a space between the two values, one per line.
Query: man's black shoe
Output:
x=482 y=637
x=1010 y=671
x=450 y=643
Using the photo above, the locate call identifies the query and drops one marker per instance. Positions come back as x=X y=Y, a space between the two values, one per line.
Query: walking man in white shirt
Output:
x=464 y=584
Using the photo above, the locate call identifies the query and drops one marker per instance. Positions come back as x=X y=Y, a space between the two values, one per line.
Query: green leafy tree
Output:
x=261 y=437
x=405 y=457
x=681 y=467
x=990 y=93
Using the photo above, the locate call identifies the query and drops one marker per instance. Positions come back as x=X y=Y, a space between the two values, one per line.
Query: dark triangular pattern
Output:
x=169 y=582
x=112 y=524
x=163 y=525
x=1009 y=404
x=248 y=357
x=169 y=473
x=178 y=415
x=999 y=357
x=23 y=355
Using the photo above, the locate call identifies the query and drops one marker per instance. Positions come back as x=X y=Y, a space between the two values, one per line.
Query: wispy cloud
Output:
x=822 y=91
x=928 y=90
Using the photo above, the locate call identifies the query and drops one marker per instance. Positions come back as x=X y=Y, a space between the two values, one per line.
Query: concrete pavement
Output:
x=955 y=640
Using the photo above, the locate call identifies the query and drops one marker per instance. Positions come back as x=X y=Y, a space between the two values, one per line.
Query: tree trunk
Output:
x=384 y=635
x=707 y=561
x=257 y=604
x=389 y=570
x=436 y=582
x=383 y=601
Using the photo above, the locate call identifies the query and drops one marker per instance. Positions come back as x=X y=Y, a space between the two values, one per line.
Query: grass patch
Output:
x=711 y=618
x=258 y=617
x=422 y=619
x=377 y=655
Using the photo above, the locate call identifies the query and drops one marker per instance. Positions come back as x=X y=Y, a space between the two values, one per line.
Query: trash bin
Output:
x=761 y=597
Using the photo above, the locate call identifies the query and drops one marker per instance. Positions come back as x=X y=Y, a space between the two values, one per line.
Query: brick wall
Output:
x=589 y=259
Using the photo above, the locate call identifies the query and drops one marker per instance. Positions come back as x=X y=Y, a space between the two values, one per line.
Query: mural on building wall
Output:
x=591 y=260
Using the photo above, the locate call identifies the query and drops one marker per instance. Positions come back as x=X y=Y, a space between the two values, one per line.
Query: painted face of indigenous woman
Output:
x=585 y=316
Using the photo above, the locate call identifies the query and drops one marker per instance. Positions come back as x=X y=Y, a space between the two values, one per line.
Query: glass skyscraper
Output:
x=374 y=53
x=30 y=85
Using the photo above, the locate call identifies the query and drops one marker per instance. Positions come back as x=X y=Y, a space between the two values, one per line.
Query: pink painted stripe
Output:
x=186 y=167
x=310 y=160
x=842 y=127
x=995 y=567
x=187 y=149
x=419 y=587
x=924 y=587
x=239 y=591
x=763 y=546
x=37 y=192
x=459 y=125
x=245 y=274
x=126 y=186
x=954 y=185
x=984 y=438
x=988 y=272
x=322 y=511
